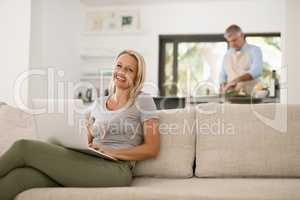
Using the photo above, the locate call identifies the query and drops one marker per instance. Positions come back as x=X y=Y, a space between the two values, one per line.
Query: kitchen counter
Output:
x=163 y=102
x=180 y=102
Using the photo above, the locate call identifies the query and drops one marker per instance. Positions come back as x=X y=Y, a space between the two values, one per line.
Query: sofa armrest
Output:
x=14 y=124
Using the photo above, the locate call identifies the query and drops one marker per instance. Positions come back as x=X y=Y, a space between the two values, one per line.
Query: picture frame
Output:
x=129 y=20
x=101 y=21
x=110 y=21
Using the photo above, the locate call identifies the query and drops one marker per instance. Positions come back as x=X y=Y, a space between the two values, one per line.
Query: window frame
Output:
x=176 y=39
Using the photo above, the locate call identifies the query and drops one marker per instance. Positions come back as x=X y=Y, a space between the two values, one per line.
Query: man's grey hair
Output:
x=232 y=29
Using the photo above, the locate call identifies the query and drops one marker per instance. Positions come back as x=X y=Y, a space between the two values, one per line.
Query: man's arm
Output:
x=234 y=82
x=254 y=72
x=222 y=77
x=256 y=63
x=255 y=67
x=222 y=87
x=244 y=77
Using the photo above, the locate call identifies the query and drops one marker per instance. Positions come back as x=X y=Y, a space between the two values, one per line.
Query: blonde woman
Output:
x=123 y=125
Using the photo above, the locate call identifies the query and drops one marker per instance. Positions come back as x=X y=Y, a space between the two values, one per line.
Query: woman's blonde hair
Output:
x=139 y=79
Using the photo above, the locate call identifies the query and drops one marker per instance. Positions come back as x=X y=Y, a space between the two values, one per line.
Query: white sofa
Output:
x=208 y=152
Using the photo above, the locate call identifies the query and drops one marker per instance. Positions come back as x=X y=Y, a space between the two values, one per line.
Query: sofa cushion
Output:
x=15 y=124
x=146 y=188
x=236 y=140
x=177 y=140
x=177 y=148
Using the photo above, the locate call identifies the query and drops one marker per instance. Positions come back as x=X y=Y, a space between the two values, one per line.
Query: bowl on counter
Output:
x=261 y=94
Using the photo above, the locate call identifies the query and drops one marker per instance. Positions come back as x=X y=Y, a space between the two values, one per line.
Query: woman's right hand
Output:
x=89 y=134
x=95 y=146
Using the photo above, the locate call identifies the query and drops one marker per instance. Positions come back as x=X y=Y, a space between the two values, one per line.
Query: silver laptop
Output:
x=62 y=122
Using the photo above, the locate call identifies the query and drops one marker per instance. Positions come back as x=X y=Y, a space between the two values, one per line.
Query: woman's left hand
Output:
x=108 y=151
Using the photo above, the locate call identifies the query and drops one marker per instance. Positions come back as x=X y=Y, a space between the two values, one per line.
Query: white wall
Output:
x=54 y=43
x=291 y=50
x=14 y=48
x=187 y=18
x=55 y=30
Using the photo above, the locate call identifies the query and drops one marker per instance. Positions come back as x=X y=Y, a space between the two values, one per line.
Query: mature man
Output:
x=242 y=64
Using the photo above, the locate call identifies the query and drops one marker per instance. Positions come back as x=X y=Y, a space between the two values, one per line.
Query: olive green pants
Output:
x=31 y=164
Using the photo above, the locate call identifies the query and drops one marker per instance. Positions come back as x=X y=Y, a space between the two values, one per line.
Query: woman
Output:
x=121 y=125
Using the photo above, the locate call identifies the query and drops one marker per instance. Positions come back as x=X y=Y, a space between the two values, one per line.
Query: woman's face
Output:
x=125 y=71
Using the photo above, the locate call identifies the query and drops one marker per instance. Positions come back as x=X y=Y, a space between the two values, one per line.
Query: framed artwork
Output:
x=129 y=20
x=101 y=21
